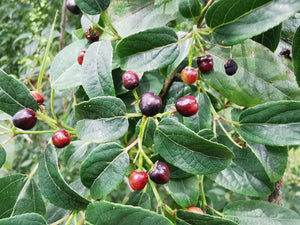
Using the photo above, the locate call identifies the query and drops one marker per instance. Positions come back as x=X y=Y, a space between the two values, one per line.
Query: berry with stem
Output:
x=92 y=34
x=189 y=75
x=130 y=80
x=159 y=173
x=61 y=138
x=138 y=180
x=150 y=104
x=24 y=119
x=205 y=63
x=187 y=105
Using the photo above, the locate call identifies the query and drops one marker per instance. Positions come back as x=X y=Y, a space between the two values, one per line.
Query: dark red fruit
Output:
x=38 y=97
x=150 y=104
x=92 y=35
x=81 y=56
x=160 y=173
x=130 y=80
x=187 y=105
x=72 y=7
x=205 y=63
x=61 y=138
x=138 y=180
x=24 y=119
x=230 y=67
x=189 y=75
x=195 y=210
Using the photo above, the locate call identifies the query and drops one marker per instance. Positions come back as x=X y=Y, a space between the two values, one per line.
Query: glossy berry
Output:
x=92 y=35
x=150 y=104
x=81 y=56
x=72 y=7
x=61 y=138
x=130 y=80
x=24 y=119
x=138 y=180
x=195 y=210
x=187 y=105
x=38 y=97
x=205 y=63
x=230 y=67
x=160 y=173
x=189 y=75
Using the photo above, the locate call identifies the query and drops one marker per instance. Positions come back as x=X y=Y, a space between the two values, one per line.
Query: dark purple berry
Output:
x=24 y=119
x=92 y=35
x=138 y=180
x=205 y=63
x=130 y=80
x=150 y=104
x=61 y=138
x=187 y=105
x=230 y=67
x=72 y=7
x=160 y=173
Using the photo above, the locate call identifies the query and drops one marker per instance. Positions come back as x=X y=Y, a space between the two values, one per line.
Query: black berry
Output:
x=187 y=105
x=92 y=35
x=150 y=104
x=138 y=180
x=160 y=173
x=130 y=80
x=61 y=138
x=72 y=7
x=230 y=67
x=205 y=63
x=24 y=119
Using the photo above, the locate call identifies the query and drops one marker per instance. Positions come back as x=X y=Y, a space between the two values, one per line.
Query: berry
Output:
x=150 y=104
x=205 y=63
x=61 y=138
x=72 y=7
x=38 y=97
x=160 y=173
x=189 y=75
x=24 y=119
x=80 y=56
x=230 y=67
x=187 y=105
x=130 y=80
x=138 y=180
x=195 y=210
x=92 y=35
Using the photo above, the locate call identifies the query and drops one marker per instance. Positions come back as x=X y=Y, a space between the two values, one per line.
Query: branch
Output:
x=63 y=26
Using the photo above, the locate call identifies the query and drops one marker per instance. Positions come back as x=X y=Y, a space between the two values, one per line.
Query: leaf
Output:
x=102 y=213
x=255 y=212
x=24 y=219
x=145 y=50
x=20 y=195
x=151 y=82
x=14 y=95
x=260 y=76
x=101 y=119
x=184 y=191
x=296 y=55
x=2 y=156
x=104 y=169
x=97 y=66
x=65 y=67
x=139 y=198
x=92 y=7
x=272 y=123
x=53 y=186
x=245 y=175
x=190 y=8
x=186 y=150
x=234 y=22
x=289 y=27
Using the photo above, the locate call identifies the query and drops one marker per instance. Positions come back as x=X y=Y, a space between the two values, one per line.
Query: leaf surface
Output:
x=92 y=7
x=296 y=55
x=24 y=219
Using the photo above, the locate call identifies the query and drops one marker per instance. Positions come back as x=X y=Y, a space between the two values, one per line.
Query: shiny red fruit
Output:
x=187 y=105
x=61 y=138
x=24 y=119
x=38 y=97
x=72 y=7
x=92 y=35
x=160 y=173
x=138 y=180
x=205 y=63
x=189 y=75
x=195 y=210
x=81 y=56
x=150 y=104
x=130 y=80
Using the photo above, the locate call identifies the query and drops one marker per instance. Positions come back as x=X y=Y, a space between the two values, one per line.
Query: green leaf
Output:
x=104 y=169
x=20 y=195
x=151 y=81
x=190 y=8
x=92 y=7
x=241 y=20
x=14 y=95
x=2 y=156
x=272 y=123
x=53 y=186
x=289 y=27
x=106 y=213
x=296 y=55
x=139 y=198
x=186 y=150
x=245 y=175
x=65 y=67
x=97 y=66
x=145 y=50
x=255 y=212
x=101 y=119
x=260 y=78
x=25 y=219
x=184 y=191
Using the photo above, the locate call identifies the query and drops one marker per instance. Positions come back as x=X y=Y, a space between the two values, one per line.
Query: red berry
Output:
x=150 y=104
x=38 y=97
x=160 y=173
x=195 y=210
x=80 y=56
x=61 y=138
x=92 y=35
x=72 y=7
x=189 y=75
x=138 y=180
x=187 y=105
x=205 y=63
x=130 y=80
x=230 y=67
x=24 y=119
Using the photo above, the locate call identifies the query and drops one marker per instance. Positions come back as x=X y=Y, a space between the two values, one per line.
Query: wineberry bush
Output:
x=158 y=112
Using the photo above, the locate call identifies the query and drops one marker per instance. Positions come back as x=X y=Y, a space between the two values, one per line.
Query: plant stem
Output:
x=132 y=115
x=7 y=140
x=160 y=115
x=70 y=219
x=136 y=96
x=203 y=199
x=159 y=201
x=140 y=140
x=33 y=171
x=109 y=24
x=206 y=6
x=52 y=106
x=97 y=25
x=215 y=211
x=131 y=145
x=61 y=220
x=228 y=121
